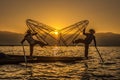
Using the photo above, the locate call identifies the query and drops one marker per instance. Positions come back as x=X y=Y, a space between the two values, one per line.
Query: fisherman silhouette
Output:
x=32 y=42
x=89 y=37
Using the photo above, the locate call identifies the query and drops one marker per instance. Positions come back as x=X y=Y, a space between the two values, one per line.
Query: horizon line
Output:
x=24 y=32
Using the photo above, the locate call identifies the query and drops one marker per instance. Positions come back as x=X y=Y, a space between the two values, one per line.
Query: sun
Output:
x=56 y=32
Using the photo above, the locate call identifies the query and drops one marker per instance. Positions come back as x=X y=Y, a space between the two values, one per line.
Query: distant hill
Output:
x=103 y=39
x=10 y=38
x=108 y=39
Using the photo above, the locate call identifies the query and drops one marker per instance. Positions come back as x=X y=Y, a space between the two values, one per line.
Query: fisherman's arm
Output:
x=84 y=31
x=34 y=33
x=22 y=41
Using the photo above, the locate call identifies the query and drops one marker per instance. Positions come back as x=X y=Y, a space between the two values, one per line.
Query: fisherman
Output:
x=89 y=37
x=32 y=42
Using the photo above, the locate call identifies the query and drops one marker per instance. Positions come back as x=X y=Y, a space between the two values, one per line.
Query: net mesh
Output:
x=65 y=36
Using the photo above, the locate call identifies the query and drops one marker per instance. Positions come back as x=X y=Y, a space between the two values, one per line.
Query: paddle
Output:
x=99 y=55
x=24 y=55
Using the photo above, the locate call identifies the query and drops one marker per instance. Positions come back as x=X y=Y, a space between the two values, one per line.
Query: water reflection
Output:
x=90 y=69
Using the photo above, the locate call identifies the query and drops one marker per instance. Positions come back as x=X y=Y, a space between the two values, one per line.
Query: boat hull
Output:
x=16 y=59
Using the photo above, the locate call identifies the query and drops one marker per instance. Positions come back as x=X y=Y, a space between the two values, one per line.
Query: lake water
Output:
x=90 y=69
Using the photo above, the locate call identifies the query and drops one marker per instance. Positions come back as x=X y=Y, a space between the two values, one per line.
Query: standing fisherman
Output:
x=32 y=42
x=89 y=37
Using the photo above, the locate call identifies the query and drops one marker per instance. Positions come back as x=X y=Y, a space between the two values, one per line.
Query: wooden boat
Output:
x=16 y=59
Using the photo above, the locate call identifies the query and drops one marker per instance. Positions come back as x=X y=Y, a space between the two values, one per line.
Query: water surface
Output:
x=90 y=69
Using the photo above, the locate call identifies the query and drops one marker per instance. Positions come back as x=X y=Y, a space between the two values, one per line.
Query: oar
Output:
x=24 y=55
x=99 y=55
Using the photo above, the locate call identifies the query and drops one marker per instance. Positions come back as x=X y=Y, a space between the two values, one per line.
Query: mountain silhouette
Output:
x=103 y=39
x=108 y=39
x=10 y=38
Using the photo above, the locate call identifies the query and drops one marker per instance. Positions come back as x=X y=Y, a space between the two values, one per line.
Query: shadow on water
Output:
x=56 y=71
x=87 y=75
x=90 y=69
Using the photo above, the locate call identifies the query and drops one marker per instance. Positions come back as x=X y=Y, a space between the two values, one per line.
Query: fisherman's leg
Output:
x=41 y=43
x=78 y=41
x=86 y=50
x=31 y=50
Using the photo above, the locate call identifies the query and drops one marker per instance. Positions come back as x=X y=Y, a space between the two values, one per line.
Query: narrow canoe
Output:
x=16 y=59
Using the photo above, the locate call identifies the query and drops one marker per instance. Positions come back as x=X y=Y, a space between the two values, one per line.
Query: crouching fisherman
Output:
x=89 y=37
x=32 y=42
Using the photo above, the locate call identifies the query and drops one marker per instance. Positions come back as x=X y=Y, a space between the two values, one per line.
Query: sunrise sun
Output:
x=56 y=32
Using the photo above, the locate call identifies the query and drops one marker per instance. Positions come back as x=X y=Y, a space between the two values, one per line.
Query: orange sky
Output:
x=104 y=15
